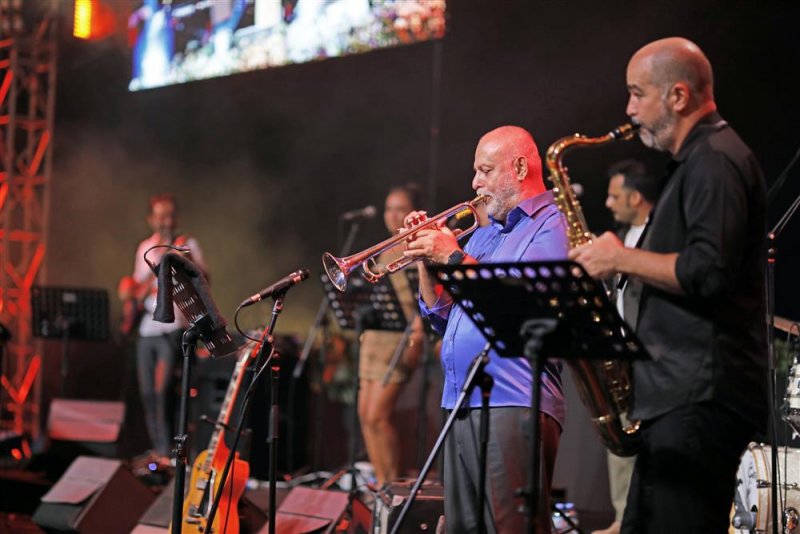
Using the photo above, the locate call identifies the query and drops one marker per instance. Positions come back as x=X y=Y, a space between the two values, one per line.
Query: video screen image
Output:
x=176 y=41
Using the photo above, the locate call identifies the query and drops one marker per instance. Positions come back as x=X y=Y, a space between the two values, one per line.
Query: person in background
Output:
x=158 y=345
x=631 y=195
x=376 y=401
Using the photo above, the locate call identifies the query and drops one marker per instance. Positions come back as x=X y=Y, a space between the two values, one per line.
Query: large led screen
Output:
x=176 y=41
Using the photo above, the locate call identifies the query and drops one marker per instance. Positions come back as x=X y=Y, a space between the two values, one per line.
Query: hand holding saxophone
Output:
x=600 y=256
x=435 y=243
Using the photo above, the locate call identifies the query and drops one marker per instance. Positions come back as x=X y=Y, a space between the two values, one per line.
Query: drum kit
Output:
x=752 y=512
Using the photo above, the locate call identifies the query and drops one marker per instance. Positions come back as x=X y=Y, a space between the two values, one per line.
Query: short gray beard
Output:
x=660 y=135
x=501 y=202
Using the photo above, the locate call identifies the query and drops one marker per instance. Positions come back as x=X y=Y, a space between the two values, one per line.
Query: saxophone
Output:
x=605 y=387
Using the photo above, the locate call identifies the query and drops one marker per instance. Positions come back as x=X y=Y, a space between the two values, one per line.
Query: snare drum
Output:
x=791 y=408
x=753 y=513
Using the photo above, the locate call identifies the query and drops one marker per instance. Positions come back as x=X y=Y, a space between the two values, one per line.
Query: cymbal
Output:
x=787 y=325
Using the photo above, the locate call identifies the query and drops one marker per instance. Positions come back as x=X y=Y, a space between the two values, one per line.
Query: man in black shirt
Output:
x=701 y=309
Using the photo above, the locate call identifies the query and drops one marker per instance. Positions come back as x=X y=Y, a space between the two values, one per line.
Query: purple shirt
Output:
x=534 y=230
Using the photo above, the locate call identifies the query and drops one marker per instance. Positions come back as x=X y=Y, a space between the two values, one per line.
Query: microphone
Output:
x=281 y=285
x=367 y=212
x=577 y=189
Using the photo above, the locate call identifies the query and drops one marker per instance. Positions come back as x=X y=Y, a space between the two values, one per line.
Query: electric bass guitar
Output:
x=207 y=470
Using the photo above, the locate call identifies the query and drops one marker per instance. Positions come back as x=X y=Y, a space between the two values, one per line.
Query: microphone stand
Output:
x=772 y=237
x=399 y=349
x=772 y=254
x=274 y=413
x=323 y=308
x=422 y=420
x=274 y=416
x=188 y=346
x=320 y=323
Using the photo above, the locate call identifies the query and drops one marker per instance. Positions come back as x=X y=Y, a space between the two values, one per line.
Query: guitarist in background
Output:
x=158 y=345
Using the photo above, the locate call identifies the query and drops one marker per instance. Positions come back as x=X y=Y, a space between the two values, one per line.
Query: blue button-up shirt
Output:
x=534 y=230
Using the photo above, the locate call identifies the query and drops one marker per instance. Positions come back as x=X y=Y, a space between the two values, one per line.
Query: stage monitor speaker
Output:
x=82 y=428
x=424 y=514
x=95 y=496
x=307 y=510
x=157 y=517
x=90 y=424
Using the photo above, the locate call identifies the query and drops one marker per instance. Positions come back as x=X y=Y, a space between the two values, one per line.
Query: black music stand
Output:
x=363 y=306
x=549 y=309
x=377 y=303
x=69 y=313
x=181 y=282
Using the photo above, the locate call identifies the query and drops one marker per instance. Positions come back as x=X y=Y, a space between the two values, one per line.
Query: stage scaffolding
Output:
x=27 y=99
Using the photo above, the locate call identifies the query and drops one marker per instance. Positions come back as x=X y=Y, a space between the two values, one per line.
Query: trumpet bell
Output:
x=338 y=269
x=335 y=269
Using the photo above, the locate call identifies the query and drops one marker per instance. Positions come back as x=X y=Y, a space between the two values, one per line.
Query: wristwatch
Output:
x=456 y=257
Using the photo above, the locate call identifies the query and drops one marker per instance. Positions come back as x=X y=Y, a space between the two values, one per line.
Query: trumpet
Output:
x=338 y=269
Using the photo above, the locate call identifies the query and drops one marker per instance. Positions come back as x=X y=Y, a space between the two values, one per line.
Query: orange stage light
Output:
x=92 y=20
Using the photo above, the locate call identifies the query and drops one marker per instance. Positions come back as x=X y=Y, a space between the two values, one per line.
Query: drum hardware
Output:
x=791 y=519
x=786 y=325
x=791 y=400
x=752 y=510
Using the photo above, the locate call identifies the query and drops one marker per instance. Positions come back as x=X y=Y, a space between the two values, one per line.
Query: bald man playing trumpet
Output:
x=524 y=225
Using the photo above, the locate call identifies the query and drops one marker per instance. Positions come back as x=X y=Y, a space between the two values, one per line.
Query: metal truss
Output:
x=27 y=99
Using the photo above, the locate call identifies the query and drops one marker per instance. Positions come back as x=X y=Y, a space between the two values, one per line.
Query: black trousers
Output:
x=685 y=475
x=507 y=467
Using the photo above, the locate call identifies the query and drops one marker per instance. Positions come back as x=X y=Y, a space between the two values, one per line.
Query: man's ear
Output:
x=521 y=167
x=679 y=97
x=635 y=198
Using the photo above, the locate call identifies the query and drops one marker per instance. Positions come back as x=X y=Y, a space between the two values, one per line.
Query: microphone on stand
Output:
x=367 y=212
x=281 y=285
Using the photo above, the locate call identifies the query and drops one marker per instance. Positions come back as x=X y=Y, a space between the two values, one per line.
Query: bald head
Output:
x=675 y=60
x=513 y=143
x=512 y=139
x=671 y=88
x=507 y=169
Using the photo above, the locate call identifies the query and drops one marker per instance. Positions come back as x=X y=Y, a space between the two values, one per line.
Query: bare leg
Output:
x=376 y=403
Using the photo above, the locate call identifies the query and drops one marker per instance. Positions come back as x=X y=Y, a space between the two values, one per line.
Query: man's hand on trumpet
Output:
x=435 y=243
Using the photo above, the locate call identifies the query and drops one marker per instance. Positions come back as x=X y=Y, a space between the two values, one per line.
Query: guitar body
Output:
x=205 y=478
x=132 y=295
x=202 y=488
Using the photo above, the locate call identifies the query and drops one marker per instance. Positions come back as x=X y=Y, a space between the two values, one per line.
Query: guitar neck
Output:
x=225 y=411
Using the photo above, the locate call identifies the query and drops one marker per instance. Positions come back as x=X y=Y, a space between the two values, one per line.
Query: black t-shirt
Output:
x=709 y=344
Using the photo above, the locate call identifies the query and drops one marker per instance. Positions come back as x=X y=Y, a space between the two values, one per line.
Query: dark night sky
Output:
x=263 y=162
